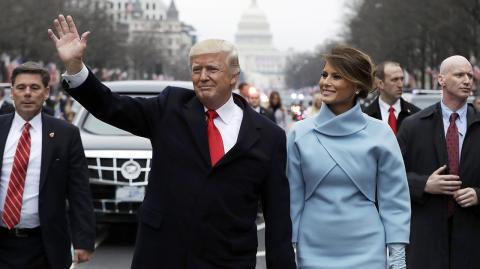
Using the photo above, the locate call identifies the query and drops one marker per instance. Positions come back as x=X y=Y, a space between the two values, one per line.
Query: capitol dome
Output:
x=261 y=63
x=253 y=28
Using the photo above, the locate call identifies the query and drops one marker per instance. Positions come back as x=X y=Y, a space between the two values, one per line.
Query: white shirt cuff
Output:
x=77 y=79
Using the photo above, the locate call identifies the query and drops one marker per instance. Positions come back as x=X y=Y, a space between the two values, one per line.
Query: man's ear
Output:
x=234 y=79
x=47 y=93
x=441 y=80
x=380 y=84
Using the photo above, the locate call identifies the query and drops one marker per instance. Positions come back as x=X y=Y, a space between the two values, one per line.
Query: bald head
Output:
x=452 y=62
x=254 y=97
x=456 y=80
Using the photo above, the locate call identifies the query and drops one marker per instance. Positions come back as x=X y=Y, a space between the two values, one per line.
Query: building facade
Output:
x=150 y=21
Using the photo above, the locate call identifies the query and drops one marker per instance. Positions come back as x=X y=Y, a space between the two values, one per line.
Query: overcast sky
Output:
x=297 y=24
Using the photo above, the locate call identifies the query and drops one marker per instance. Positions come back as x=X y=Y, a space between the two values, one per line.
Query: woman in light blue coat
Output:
x=349 y=190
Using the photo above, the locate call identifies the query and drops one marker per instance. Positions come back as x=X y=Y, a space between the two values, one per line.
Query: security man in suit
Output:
x=389 y=106
x=45 y=200
x=254 y=100
x=213 y=159
x=440 y=147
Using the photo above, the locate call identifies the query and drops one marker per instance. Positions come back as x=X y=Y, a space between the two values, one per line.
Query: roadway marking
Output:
x=260 y=226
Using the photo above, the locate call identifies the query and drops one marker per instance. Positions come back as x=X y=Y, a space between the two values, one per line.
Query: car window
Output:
x=424 y=101
x=98 y=127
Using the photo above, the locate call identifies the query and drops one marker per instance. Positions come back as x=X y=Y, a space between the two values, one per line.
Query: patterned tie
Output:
x=452 y=151
x=14 y=198
x=392 y=121
x=215 y=142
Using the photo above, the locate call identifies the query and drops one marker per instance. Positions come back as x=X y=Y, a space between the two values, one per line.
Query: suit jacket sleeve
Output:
x=131 y=114
x=297 y=186
x=81 y=215
x=392 y=193
x=276 y=203
x=416 y=182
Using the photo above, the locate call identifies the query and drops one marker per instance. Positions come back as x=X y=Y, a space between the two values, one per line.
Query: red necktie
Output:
x=14 y=198
x=215 y=142
x=452 y=151
x=392 y=121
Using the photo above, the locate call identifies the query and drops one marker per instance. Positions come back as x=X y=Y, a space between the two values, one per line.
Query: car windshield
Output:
x=98 y=127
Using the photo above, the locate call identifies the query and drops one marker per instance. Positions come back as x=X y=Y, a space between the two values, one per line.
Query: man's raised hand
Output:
x=69 y=44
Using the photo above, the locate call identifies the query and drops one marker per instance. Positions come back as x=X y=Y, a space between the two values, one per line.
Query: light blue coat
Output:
x=363 y=153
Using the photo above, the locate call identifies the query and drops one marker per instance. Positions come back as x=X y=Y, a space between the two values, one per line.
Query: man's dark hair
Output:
x=380 y=69
x=31 y=68
x=241 y=85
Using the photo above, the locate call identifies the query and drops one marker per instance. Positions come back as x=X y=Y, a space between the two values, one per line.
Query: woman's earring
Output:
x=357 y=92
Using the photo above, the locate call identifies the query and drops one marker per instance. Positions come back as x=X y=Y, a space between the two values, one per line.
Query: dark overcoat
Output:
x=195 y=215
x=422 y=141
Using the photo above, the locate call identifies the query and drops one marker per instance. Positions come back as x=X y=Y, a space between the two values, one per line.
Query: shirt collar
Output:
x=1 y=102
x=462 y=112
x=19 y=122
x=386 y=106
x=225 y=112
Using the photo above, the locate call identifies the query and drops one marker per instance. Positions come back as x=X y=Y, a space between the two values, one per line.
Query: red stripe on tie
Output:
x=16 y=185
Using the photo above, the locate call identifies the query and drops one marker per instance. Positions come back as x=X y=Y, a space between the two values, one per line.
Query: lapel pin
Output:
x=52 y=135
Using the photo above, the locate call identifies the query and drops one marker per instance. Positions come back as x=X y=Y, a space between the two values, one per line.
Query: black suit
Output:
x=6 y=108
x=422 y=141
x=406 y=109
x=267 y=113
x=63 y=177
x=195 y=215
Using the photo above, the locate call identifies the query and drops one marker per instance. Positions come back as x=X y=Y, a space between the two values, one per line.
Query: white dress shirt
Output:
x=1 y=102
x=228 y=121
x=75 y=80
x=384 y=107
x=461 y=123
x=29 y=214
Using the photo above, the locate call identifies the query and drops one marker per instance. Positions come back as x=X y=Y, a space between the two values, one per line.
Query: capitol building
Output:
x=261 y=63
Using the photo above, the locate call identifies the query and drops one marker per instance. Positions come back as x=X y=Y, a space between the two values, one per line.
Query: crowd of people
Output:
x=341 y=187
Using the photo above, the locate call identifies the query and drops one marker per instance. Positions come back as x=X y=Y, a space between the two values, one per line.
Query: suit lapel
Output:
x=439 y=136
x=247 y=135
x=472 y=119
x=376 y=113
x=47 y=147
x=4 y=130
x=404 y=112
x=195 y=116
